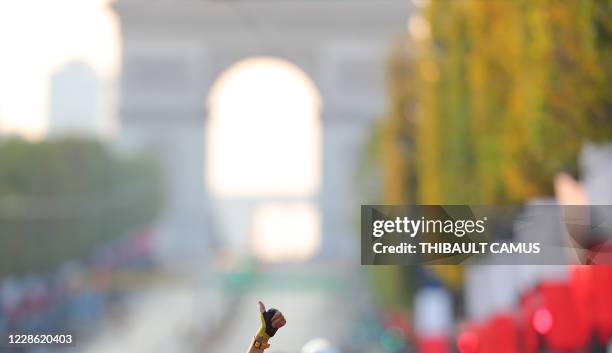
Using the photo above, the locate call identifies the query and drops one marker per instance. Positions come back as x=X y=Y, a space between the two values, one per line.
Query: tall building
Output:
x=74 y=101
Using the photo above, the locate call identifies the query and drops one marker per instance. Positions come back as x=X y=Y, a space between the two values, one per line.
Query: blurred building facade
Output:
x=173 y=53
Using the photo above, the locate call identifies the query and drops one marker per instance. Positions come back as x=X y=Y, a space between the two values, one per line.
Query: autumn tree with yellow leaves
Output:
x=497 y=99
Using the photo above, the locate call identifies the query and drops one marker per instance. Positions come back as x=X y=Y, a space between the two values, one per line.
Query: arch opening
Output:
x=263 y=133
x=263 y=143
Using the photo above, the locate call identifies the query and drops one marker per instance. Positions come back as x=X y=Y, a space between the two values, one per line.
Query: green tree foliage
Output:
x=498 y=99
x=60 y=199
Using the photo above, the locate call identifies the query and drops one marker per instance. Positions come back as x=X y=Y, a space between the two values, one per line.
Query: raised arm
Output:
x=271 y=321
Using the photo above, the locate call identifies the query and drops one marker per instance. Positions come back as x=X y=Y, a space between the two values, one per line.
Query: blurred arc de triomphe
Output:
x=174 y=51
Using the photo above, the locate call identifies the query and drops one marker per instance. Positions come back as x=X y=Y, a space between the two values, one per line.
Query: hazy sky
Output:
x=36 y=38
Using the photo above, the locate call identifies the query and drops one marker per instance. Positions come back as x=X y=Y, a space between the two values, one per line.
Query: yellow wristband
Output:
x=260 y=345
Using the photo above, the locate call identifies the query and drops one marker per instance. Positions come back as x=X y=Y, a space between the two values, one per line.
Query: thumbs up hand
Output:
x=271 y=321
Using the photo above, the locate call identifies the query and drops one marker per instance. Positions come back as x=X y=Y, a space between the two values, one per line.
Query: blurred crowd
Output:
x=78 y=294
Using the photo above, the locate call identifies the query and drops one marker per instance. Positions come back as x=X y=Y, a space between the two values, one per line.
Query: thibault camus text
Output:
x=412 y=227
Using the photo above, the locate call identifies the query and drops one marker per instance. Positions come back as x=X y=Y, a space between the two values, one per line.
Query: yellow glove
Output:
x=271 y=320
